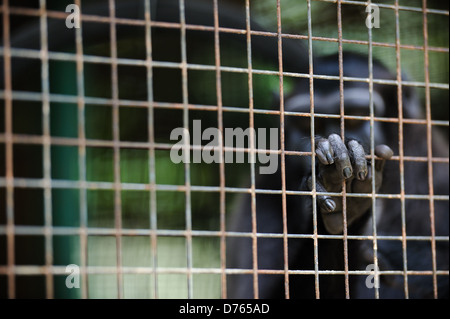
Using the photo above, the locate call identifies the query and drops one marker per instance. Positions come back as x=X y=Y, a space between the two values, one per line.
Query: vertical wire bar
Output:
x=400 y=146
x=151 y=155
x=313 y=152
x=116 y=141
x=342 y=124
x=82 y=156
x=429 y=145
x=9 y=153
x=187 y=174
x=372 y=160
x=222 y=161
x=283 y=158
x=46 y=150
x=252 y=152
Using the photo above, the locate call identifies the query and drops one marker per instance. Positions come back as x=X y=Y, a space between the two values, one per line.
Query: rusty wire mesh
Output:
x=46 y=270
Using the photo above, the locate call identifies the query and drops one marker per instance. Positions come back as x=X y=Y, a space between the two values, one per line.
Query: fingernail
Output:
x=330 y=205
x=330 y=158
x=347 y=172
x=361 y=176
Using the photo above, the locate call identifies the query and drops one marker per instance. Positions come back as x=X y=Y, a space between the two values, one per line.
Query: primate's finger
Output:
x=324 y=151
x=358 y=158
x=384 y=152
x=326 y=203
x=341 y=156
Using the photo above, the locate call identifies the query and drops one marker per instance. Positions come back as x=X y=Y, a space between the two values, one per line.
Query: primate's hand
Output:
x=340 y=161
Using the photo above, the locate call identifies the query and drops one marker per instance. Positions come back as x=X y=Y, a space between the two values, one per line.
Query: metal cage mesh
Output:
x=125 y=255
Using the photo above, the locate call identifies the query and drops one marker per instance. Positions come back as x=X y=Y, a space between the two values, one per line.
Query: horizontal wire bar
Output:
x=22 y=230
x=93 y=270
x=93 y=185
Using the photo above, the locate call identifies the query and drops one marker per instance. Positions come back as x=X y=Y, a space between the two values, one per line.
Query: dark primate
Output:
x=340 y=160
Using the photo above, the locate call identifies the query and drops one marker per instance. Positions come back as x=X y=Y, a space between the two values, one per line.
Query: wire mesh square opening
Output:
x=224 y=149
